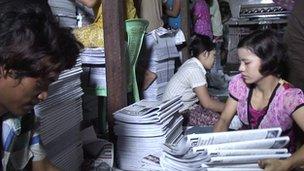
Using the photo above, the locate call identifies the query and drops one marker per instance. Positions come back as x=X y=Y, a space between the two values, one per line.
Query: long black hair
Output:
x=200 y=43
x=268 y=46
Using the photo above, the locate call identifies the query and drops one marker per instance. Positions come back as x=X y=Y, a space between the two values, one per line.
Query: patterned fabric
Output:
x=200 y=116
x=92 y=35
x=287 y=4
x=257 y=116
x=202 y=19
x=20 y=142
x=131 y=10
x=189 y=76
x=285 y=101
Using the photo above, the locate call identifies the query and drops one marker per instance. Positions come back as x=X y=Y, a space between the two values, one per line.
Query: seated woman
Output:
x=190 y=82
x=92 y=35
x=261 y=98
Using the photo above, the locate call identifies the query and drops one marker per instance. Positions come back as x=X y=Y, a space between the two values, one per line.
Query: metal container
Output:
x=235 y=5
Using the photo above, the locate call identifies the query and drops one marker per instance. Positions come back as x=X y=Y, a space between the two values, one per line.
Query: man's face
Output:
x=20 y=96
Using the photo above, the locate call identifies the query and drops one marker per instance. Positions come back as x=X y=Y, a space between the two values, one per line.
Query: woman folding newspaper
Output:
x=259 y=95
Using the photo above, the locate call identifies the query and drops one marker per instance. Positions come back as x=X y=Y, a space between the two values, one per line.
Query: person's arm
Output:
x=206 y=101
x=43 y=165
x=226 y=116
x=175 y=9
x=296 y=160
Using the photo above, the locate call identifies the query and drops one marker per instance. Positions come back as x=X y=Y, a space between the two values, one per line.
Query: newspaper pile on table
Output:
x=235 y=150
x=143 y=127
x=159 y=57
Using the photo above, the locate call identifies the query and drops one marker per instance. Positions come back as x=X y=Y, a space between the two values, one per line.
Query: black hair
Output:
x=32 y=44
x=268 y=46
x=199 y=44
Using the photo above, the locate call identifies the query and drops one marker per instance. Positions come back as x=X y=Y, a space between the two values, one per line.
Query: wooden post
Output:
x=185 y=28
x=116 y=73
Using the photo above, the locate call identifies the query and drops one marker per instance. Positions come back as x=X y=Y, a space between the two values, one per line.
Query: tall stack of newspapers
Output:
x=94 y=72
x=93 y=80
x=65 y=11
x=160 y=54
x=143 y=127
x=225 y=151
x=60 y=116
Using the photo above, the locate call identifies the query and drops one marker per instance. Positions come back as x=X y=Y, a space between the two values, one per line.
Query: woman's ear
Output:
x=1 y=71
x=205 y=54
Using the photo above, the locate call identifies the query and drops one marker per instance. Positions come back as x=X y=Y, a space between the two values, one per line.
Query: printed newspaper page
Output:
x=254 y=144
x=245 y=152
x=233 y=136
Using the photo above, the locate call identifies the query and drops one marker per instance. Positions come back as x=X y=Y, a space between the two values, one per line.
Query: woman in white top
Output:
x=190 y=82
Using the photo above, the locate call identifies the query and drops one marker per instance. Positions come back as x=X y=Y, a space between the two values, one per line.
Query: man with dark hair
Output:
x=33 y=52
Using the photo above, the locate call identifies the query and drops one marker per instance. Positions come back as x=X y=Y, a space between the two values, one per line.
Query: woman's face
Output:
x=207 y=59
x=88 y=3
x=250 y=66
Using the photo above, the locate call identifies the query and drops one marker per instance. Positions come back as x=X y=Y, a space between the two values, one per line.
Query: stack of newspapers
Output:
x=225 y=151
x=93 y=78
x=65 y=11
x=60 y=116
x=159 y=57
x=143 y=127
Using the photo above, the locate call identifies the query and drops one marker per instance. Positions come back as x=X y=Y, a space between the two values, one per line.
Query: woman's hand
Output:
x=274 y=165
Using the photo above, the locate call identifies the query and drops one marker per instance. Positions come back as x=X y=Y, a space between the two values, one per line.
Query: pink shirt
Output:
x=284 y=101
x=202 y=23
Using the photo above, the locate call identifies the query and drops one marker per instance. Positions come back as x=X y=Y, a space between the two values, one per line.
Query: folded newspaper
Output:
x=269 y=143
x=151 y=162
x=231 y=151
x=233 y=136
x=142 y=128
x=147 y=111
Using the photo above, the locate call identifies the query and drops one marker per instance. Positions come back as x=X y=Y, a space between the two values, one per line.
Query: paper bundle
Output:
x=236 y=150
x=60 y=116
x=143 y=127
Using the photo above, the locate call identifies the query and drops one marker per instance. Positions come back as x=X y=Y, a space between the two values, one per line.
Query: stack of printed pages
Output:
x=60 y=116
x=94 y=71
x=143 y=127
x=224 y=151
x=160 y=56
